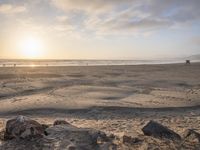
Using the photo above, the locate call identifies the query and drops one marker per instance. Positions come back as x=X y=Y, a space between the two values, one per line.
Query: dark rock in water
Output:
x=22 y=127
x=60 y=122
x=159 y=131
x=191 y=135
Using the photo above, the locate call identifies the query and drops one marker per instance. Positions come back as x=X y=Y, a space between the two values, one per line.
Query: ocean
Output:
x=35 y=63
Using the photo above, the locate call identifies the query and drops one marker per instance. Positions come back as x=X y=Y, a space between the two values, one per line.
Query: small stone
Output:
x=130 y=140
x=99 y=136
x=112 y=136
x=108 y=146
x=2 y=135
x=61 y=122
x=191 y=135
x=159 y=131
x=71 y=147
x=22 y=127
x=45 y=126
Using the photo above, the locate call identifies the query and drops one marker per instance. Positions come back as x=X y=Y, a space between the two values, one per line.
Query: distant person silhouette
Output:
x=187 y=62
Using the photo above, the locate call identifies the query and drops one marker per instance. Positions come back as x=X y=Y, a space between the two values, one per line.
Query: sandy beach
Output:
x=118 y=100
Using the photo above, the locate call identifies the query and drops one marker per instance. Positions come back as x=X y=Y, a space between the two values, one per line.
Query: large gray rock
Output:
x=159 y=131
x=61 y=136
x=23 y=127
x=65 y=135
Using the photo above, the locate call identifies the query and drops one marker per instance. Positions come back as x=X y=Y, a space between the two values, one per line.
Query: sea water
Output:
x=35 y=63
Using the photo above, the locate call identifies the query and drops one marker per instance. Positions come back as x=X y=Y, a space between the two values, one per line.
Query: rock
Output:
x=112 y=136
x=130 y=140
x=71 y=147
x=159 y=131
x=60 y=122
x=101 y=137
x=108 y=146
x=22 y=144
x=126 y=139
x=22 y=127
x=191 y=135
x=61 y=136
x=45 y=126
x=2 y=135
x=67 y=135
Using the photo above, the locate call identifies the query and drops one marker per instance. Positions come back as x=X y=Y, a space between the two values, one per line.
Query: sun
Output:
x=31 y=47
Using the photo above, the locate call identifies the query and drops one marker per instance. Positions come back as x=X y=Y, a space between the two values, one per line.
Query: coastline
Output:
x=78 y=63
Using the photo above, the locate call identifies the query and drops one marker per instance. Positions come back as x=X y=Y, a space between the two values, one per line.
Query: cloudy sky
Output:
x=99 y=29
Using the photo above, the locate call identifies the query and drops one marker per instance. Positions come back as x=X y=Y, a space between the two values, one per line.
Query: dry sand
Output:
x=114 y=99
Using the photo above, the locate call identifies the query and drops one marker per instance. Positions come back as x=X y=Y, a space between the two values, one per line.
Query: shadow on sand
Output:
x=106 y=112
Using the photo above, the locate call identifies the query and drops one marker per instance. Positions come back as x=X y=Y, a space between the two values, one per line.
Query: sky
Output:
x=99 y=29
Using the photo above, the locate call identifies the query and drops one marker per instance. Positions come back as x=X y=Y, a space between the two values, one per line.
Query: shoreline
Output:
x=43 y=66
x=89 y=63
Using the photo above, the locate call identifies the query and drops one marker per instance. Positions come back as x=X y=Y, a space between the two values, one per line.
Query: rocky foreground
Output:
x=22 y=133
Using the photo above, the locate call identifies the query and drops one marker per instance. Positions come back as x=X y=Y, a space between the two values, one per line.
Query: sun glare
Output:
x=32 y=65
x=31 y=47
